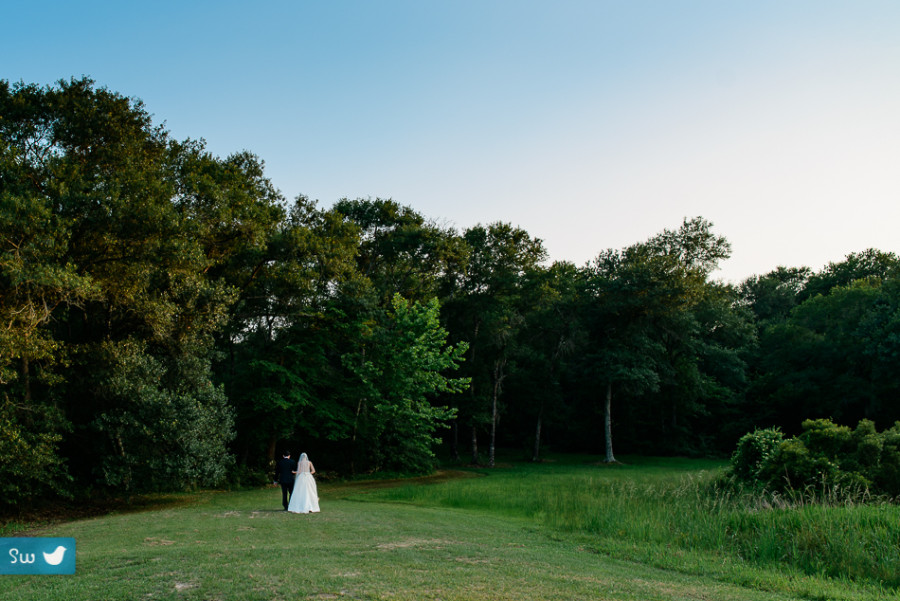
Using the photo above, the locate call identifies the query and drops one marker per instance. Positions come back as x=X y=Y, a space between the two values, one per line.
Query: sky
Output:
x=591 y=124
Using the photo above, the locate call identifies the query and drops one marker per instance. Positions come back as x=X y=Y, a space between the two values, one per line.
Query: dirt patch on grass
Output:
x=153 y=541
x=415 y=543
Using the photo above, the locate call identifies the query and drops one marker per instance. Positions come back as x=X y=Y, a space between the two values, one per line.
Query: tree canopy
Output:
x=170 y=321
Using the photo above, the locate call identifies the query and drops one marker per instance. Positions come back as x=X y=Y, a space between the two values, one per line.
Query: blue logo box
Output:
x=36 y=555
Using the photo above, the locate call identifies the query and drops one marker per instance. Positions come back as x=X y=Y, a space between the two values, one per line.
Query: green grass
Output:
x=557 y=530
x=667 y=513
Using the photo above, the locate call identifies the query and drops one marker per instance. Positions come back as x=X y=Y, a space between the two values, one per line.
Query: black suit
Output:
x=284 y=475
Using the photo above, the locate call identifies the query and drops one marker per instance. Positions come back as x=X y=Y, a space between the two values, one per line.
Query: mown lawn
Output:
x=383 y=541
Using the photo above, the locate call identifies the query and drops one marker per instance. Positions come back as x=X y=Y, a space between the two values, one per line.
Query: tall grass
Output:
x=675 y=506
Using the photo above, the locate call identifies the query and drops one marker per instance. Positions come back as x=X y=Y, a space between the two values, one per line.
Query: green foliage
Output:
x=401 y=368
x=112 y=285
x=870 y=265
x=754 y=450
x=164 y=424
x=772 y=296
x=167 y=300
x=834 y=354
x=662 y=337
x=825 y=456
x=399 y=251
x=29 y=446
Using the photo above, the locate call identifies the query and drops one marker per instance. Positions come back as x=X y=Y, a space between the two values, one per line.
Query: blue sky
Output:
x=590 y=124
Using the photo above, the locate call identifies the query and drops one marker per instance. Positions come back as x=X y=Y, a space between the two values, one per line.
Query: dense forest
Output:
x=169 y=321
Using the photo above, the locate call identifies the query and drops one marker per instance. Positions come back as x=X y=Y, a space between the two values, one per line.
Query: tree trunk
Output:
x=536 y=455
x=498 y=380
x=491 y=447
x=607 y=423
x=476 y=327
x=270 y=452
x=359 y=408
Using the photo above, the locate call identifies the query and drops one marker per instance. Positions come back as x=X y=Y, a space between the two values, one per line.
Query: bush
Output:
x=753 y=451
x=887 y=473
x=825 y=438
x=825 y=457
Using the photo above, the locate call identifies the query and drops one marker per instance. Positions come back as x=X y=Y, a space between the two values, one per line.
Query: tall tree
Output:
x=404 y=367
x=279 y=344
x=869 y=264
x=834 y=358
x=550 y=337
x=487 y=311
x=134 y=234
x=638 y=309
x=816 y=358
x=772 y=296
x=400 y=251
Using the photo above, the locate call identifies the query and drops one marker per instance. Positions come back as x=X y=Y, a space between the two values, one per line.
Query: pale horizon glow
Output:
x=592 y=124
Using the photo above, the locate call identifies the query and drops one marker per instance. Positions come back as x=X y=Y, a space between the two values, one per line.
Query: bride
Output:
x=305 y=497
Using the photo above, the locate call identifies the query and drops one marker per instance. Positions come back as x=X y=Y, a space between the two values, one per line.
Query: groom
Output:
x=284 y=475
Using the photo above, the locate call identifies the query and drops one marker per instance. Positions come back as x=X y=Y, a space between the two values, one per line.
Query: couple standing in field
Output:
x=298 y=487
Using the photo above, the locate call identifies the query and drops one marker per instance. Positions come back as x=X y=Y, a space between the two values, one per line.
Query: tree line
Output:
x=169 y=320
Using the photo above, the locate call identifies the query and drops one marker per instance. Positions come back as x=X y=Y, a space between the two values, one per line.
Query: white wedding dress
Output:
x=305 y=496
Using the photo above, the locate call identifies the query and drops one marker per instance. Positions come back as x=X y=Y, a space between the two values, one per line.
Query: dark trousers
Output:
x=286 y=493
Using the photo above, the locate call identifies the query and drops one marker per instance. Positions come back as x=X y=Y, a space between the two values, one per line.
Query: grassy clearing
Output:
x=665 y=513
x=511 y=535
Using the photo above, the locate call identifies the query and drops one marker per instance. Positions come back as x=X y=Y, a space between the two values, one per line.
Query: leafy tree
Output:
x=870 y=264
x=30 y=436
x=639 y=311
x=281 y=339
x=834 y=357
x=772 y=296
x=401 y=369
x=726 y=339
x=486 y=309
x=163 y=421
x=621 y=351
x=399 y=251
x=549 y=338
x=118 y=250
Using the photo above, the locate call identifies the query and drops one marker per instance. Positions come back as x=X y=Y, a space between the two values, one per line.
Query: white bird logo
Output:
x=55 y=558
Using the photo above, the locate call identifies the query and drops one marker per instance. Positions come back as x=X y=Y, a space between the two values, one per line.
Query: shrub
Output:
x=753 y=451
x=793 y=466
x=825 y=457
x=887 y=473
x=825 y=438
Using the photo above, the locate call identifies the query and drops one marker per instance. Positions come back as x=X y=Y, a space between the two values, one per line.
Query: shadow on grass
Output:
x=29 y=521
x=45 y=514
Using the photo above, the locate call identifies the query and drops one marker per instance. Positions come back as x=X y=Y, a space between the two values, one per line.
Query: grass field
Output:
x=563 y=529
